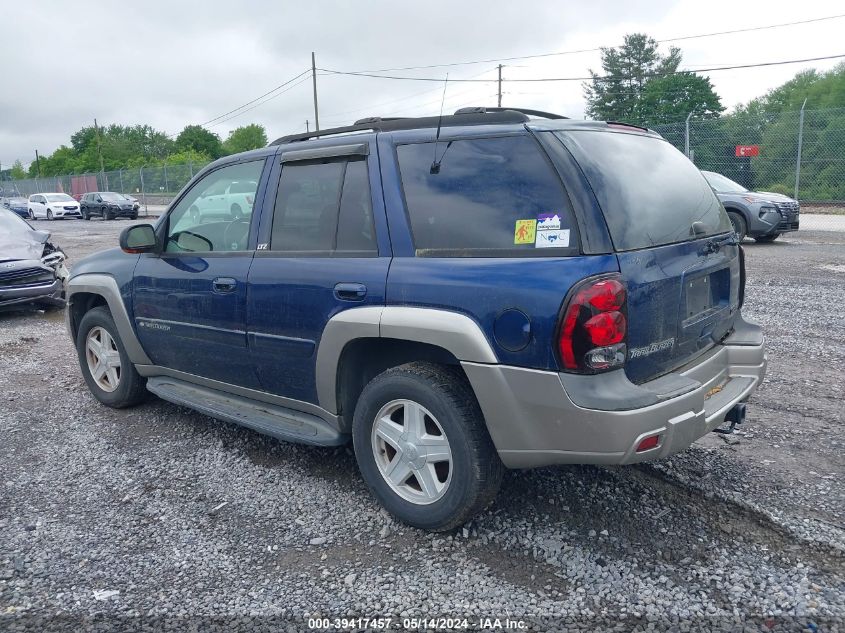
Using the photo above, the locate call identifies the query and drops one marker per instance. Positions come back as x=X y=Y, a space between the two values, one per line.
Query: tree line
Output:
x=133 y=146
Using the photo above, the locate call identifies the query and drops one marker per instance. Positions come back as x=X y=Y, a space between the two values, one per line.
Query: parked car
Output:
x=108 y=205
x=32 y=270
x=228 y=200
x=16 y=204
x=454 y=296
x=759 y=214
x=52 y=206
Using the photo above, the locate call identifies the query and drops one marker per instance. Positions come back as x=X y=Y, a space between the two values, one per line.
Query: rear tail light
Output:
x=594 y=327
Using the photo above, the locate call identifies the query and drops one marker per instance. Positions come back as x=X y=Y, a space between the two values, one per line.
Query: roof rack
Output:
x=464 y=116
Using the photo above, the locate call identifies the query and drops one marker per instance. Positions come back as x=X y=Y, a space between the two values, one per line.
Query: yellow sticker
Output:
x=524 y=231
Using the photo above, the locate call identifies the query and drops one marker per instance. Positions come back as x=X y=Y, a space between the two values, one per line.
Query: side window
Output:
x=212 y=217
x=355 y=228
x=490 y=194
x=323 y=207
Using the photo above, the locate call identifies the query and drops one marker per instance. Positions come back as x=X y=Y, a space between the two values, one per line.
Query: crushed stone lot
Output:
x=161 y=515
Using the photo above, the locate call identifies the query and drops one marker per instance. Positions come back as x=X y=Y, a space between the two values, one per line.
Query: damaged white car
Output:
x=32 y=270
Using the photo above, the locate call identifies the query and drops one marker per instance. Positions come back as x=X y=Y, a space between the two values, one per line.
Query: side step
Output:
x=279 y=422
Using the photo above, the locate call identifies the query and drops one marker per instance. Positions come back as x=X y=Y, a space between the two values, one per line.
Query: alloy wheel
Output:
x=412 y=452
x=103 y=359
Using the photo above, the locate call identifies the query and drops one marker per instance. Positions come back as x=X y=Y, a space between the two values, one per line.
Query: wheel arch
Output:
x=360 y=343
x=90 y=290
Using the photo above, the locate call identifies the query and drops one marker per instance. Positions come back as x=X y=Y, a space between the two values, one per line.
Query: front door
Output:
x=190 y=299
x=320 y=256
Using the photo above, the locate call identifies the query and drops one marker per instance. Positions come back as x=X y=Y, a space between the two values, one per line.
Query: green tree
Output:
x=616 y=93
x=674 y=97
x=199 y=139
x=17 y=172
x=245 y=138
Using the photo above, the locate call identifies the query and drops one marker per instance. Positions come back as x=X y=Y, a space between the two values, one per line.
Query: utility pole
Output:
x=99 y=151
x=800 y=143
x=500 y=85
x=37 y=162
x=314 y=81
x=686 y=136
x=307 y=129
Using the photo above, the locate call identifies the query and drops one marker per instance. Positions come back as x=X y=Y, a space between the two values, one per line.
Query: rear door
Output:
x=677 y=253
x=324 y=249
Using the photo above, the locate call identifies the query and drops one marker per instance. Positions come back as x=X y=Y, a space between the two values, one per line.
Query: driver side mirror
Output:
x=140 y=238
x=99 y=199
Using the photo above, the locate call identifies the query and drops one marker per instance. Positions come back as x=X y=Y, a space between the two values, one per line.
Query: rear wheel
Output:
x=739 y=225
x=110 y=375
x=767 y=239
x=423 y=448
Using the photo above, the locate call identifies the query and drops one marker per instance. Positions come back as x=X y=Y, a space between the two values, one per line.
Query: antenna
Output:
x=435 y=166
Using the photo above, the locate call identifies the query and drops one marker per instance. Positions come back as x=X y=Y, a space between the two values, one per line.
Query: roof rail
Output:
x=464 y=116
x=483 y=109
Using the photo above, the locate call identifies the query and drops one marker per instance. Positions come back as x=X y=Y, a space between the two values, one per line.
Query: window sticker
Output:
x=524 y=231
x=552 y=239
x=548 y=222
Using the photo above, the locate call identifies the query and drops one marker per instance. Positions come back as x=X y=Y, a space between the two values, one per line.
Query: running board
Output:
x=279 y=422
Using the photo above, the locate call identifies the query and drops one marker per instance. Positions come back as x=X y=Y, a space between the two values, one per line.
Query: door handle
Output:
x=350 y=292
x=224 y=284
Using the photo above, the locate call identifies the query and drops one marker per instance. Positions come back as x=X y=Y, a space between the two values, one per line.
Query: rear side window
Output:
x=649 y=192
x=491 y=196
x=324 y=207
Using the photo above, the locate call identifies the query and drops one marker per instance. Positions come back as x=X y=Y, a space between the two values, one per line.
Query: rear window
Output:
x=650 y=193
x=492 y=196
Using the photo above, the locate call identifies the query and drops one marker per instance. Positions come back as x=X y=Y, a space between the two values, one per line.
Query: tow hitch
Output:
x=735 y=416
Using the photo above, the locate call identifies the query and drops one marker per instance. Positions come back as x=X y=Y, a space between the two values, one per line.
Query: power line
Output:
x=278 y=94
x=601 y=78
x=597 y=49
x=307 y=70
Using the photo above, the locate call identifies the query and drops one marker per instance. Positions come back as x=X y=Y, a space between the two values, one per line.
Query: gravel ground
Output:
x=164 y=518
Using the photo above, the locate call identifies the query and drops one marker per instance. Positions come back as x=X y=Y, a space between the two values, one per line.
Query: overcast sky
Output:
x=174 y=63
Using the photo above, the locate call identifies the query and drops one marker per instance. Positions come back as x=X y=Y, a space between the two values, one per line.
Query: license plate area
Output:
x=699 y=296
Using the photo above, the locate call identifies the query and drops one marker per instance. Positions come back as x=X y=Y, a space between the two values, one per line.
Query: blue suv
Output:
x=457 y=295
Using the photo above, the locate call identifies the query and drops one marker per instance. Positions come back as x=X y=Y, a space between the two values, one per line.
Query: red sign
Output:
x=747 y=150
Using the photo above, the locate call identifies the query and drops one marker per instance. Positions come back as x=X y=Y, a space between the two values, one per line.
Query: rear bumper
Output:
x=538 y=418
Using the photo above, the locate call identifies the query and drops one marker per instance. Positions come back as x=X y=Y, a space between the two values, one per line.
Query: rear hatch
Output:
x=677 y=253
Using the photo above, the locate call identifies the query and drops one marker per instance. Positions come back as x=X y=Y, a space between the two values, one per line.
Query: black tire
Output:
x=50 y=215
x=107 y=216
x=236 y=211
x=134 y=216
x=767 y=239
x=31 y=214
x=132 y=388
x=476 y=470
x=85 y=215
x=739 y=224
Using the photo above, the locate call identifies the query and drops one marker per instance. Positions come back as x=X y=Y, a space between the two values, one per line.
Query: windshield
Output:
x=59 y=197
x=109 y=195
x=723 y=184
x=649 y=192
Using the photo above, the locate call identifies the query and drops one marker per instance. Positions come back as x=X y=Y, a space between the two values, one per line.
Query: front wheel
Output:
x=423 y=448
x=110 y=375
x=739 y=225
x=49 y=215
x=31 y=214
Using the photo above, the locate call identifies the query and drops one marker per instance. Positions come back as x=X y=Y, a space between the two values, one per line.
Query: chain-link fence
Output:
x=156 y=185
x=798 y=154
